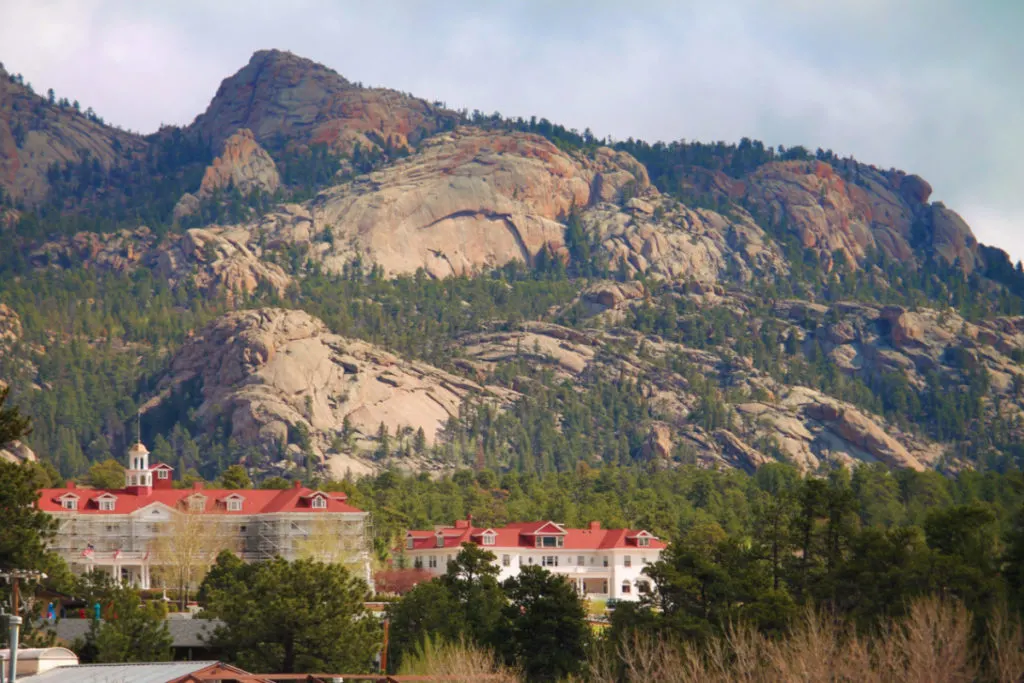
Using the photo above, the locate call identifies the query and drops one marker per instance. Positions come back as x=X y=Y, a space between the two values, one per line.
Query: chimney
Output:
x=197 y=485
x=297 y=484
x=69 y=484
x=595 y=526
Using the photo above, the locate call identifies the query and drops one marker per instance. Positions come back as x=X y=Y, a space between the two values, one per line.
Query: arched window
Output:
x=626 y=587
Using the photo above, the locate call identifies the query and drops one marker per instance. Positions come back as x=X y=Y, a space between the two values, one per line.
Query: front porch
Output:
x=126 y=568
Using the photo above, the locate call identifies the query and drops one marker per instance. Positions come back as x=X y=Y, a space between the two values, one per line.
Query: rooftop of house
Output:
x=199 y=499
x=525 y=534
x=156 y=672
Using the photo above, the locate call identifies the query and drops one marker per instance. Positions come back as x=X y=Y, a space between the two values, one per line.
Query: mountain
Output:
x=315 y=275
x=287 y=100
x=36 y=134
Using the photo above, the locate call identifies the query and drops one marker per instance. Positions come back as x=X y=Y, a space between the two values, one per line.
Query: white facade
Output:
x=614 y=572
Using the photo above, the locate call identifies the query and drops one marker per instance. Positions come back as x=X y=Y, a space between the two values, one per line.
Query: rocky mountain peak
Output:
x=282 y=98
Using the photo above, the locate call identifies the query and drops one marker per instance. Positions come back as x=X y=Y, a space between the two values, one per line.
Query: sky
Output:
x=933 y=87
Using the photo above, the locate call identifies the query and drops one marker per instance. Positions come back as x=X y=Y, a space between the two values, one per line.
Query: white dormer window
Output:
x=161 y=474
x=643 y=542
x=409 y=542
x=197 y=503
x=234 y=504
x=319 y=503
x=489 y=538
x=440 y=540
x=106 y=504
x=70 y=503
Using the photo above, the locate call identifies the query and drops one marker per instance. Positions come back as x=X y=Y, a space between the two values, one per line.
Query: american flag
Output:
x=117 y=553
x=88 y=551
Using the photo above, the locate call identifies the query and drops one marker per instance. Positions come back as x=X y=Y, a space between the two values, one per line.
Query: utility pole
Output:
x=13 y=577
x=384 y=649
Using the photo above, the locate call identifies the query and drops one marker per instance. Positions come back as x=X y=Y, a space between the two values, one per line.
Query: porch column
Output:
x=145 y=576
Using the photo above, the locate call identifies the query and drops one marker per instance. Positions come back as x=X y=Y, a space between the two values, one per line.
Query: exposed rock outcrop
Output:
x=243 y=165
x=219 y=261
x=35 y=135
x=660 y=237
x=272 y=373
x=10 y=326
x=16 y=452
x=468 y=200
x=284 y=98
x=852 y=208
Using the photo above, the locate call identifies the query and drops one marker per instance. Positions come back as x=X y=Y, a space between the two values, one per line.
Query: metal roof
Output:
x=161 y=672
x=184 y=632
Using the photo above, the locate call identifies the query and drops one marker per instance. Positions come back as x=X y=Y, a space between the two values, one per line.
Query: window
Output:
x=548 y=542
x=529 y=560
x=319 y=503
x=243 y=529
x=644 y=587
x=234 y=505
x=506 y=560
x=70 y=503
x=418 y=563
x=409 y=542
x=432 y=561
x=625 y=587
x=627 y=561
x=196 y=503
x=489 y=539
x=549 y=561
x=643 y=542
x=581 y=560
x=605 y=560
x=440 y=540
x=161 y=474
x=107 y=504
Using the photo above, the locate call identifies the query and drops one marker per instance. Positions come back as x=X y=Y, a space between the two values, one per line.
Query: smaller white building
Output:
x=601 y=563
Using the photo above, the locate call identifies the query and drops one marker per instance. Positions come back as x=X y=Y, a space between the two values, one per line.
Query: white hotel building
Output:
x=601 y=563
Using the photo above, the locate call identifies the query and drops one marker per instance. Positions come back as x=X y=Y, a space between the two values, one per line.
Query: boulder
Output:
x=658 y=444
x=857 y=429
x=739 y=454
x=188 y=205
x=610 y=295
x=17 y=453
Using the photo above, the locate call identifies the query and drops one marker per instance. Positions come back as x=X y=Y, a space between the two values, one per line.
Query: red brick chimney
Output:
x=595 y=526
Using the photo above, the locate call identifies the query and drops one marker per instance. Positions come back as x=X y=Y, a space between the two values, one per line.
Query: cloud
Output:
x=933 y=87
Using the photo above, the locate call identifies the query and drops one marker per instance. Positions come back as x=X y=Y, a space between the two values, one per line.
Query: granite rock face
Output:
x=273 y=373
x=852 y=207
x=35 y=135
x=466 y=201
x=283 y=98
x=243 y=165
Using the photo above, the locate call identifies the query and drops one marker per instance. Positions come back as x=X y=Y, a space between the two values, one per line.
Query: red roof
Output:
x=254 y=501
x=524 y=534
